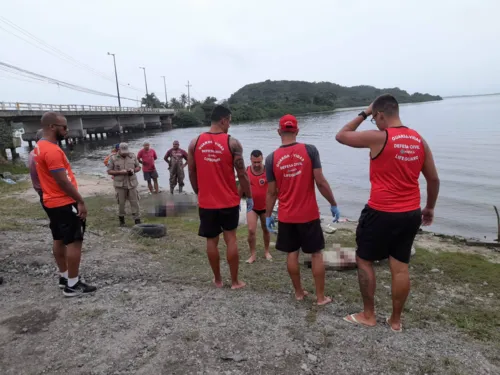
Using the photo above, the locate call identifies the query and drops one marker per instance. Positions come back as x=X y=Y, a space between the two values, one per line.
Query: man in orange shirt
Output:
x=63 y=204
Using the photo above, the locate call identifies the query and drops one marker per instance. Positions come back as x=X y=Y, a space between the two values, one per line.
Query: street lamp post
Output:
x=165 y=86
x=116 y=77
x=145 y=80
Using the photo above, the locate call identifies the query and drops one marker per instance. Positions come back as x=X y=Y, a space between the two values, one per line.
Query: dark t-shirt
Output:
x=312 y=151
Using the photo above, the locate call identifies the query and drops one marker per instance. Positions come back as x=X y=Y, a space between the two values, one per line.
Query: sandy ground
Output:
x=146 y=320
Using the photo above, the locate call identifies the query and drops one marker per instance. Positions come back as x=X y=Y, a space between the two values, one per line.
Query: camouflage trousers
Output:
x=176 y=175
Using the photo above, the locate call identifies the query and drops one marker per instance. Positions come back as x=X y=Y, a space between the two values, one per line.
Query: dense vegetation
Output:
x=271 y=99
x=275 y=98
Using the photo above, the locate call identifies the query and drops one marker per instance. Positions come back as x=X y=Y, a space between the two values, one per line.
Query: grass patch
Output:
x=459 y=296
x=14 y=168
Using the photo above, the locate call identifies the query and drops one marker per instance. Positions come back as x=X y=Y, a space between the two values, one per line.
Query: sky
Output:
x=438 y=47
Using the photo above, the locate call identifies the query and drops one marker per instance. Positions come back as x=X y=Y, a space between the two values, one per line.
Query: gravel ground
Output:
x=143 y=322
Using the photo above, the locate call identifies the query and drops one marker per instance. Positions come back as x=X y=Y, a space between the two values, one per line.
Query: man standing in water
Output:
x=258 y=184
x=213 y=157
x=147 y=157
x=291 y=173
x=390 y=221
x=63 y=204
x=174 y=158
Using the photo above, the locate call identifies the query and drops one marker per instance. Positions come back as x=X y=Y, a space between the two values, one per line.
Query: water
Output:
x=463 y=133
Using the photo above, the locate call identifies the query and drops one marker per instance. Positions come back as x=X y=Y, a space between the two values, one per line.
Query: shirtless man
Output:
x=212 y=158
x=258 y=183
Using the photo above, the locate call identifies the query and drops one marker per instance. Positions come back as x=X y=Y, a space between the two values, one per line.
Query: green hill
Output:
x=270 y=99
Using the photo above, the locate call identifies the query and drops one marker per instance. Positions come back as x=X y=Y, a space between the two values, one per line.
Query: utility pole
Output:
x=189 y=97
x=116 y=77
x=165 y=86
x=145 y=80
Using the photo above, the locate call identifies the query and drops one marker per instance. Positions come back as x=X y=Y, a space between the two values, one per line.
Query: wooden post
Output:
x=498 y=223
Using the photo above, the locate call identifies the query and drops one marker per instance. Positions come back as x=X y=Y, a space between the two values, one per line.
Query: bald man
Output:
x=63 y=204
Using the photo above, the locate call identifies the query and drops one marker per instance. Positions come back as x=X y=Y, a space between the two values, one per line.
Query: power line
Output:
x=35 y=76
x=47 y=48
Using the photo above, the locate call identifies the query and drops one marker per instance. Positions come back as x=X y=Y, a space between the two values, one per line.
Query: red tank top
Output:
x=395 y=171
x=215 y=172
x=258 y=184
x=293 y=172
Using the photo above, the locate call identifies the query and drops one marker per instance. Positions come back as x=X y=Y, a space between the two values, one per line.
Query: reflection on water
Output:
x=464 y=135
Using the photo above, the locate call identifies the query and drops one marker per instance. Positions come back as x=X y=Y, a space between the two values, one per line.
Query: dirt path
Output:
x=144 y=321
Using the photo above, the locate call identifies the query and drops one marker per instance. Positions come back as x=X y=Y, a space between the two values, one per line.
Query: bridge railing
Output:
x=16 y=106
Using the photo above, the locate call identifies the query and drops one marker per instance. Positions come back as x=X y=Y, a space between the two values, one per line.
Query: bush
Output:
x=185 y=119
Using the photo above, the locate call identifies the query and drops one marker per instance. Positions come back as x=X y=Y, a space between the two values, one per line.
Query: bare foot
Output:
x=252 y=259
x=324 y=301
x=268 y=256
x=239 y=285
x=361 y=319
x=396 y=327
x=218 y=284
x=300 y=296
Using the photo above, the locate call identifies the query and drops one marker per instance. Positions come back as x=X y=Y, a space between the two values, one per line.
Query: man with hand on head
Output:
x=291 y=172
x=124 y=166
x=258 y=184
x=63 y=204
x=147 y=157
x=390 y=221
x=213 y=158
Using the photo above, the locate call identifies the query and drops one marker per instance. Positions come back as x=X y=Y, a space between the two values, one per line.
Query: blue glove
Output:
x=249 y=204
x=335 y=213
x=271 y=227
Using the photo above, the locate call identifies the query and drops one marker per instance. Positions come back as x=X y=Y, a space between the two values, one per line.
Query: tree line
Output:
x=273 y=99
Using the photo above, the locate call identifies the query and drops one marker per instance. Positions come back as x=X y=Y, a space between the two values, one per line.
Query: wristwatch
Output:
x=363 y=114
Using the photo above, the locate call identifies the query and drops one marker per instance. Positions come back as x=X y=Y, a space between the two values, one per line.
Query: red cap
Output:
x=288 y=122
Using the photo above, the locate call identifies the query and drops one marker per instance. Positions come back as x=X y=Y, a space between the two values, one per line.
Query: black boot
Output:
x=122 y=220
x=180 y=189
x=137 y=221
x=171 y=190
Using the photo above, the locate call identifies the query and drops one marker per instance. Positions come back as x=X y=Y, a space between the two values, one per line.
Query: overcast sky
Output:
x=441 y=47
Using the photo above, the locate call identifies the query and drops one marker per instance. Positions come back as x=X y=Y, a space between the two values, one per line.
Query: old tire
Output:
x=150 y=230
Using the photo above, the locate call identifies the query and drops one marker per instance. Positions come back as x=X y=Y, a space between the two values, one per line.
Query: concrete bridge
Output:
x=86 y=120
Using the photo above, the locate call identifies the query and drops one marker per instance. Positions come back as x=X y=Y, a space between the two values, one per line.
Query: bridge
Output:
x=85 y=120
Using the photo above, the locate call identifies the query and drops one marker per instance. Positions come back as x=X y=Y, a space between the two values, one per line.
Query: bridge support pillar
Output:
x=166 y=122
x=75 y=128
x=132 y=123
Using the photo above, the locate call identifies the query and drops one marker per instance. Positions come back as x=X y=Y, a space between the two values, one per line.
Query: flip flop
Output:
x=353 y=320
x=392 y=329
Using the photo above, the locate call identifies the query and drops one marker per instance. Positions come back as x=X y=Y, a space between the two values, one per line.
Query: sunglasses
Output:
x=374 y=117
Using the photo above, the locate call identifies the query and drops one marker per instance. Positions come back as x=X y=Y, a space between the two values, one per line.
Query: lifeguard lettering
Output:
x=395 y=171
x=215 y=172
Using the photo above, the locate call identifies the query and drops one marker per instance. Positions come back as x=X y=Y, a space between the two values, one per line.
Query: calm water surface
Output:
x=464 y=135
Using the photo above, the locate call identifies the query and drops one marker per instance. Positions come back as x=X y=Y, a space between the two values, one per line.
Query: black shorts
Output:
x=308 y=236
x=150 y=175
x=259 y=212
x=64 y=223
x=213 y=221
x=380 y=235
